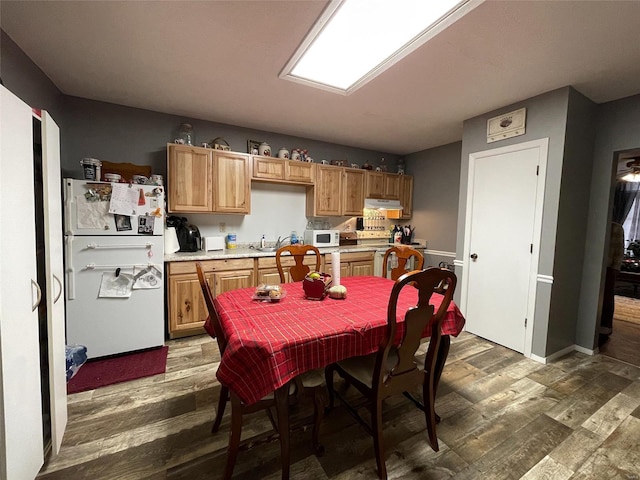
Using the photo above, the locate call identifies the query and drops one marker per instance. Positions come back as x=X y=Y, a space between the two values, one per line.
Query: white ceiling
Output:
x=220 y=60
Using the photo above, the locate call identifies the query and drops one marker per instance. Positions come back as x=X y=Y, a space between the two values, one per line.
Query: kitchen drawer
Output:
x=286 y=261
x=350 y=257
x=211 y=265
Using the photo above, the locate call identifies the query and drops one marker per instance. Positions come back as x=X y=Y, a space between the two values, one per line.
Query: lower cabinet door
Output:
x=226 y=281
x=187 y=310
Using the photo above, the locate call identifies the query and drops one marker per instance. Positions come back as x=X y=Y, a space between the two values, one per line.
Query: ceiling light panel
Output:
x=355 y=40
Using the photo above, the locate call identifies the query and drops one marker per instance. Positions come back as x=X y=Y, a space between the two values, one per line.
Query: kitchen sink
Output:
x=267 y=249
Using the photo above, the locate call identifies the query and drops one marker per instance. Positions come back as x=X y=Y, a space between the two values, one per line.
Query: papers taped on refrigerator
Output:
x=147 y=277
x=116 y=285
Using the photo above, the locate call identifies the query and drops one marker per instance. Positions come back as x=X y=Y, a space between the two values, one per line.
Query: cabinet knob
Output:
x=474 y=256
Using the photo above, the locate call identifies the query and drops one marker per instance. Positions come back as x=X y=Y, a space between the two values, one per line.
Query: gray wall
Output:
x=435 y=196
x=572 y=222
x=617 y=129
x=20 y=75
x=546 y=117
x=122 y=134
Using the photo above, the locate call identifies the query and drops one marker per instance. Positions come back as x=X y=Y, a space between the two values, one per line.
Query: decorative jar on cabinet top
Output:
x=186 y=134
x=264 y=149
x=283 y=153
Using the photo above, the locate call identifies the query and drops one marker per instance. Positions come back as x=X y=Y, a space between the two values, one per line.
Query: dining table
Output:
x=270 y=343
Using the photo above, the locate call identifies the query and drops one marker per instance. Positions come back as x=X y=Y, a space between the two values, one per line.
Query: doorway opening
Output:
x=623 y=343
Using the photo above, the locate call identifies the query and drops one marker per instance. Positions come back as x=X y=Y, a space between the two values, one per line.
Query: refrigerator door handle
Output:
x=38 y=295
x=96 y=246
x=69 y=270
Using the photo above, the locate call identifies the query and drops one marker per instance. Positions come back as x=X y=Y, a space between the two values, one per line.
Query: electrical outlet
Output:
x=223 y=227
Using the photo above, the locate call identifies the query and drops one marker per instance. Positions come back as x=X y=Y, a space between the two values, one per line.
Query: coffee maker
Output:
x=188 y=234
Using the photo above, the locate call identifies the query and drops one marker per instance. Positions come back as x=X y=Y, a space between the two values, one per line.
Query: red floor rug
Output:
x=108 y=371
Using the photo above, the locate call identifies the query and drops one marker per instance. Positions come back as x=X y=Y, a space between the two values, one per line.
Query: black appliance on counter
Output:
x=187 y=233
x=359 y=223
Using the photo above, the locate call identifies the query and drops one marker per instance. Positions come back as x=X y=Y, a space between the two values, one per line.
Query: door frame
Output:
x=543 y=148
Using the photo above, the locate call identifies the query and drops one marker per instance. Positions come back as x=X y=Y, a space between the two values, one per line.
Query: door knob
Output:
x=474 y=256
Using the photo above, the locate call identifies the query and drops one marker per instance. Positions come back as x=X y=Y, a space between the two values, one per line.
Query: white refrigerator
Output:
x=114 y=266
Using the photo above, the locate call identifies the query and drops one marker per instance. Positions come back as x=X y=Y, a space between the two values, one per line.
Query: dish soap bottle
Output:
x=263 y=241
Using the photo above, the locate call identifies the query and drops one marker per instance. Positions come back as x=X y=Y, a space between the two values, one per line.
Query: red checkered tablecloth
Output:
x=271 y=343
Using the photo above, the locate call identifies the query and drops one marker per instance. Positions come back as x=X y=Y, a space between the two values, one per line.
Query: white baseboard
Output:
x=562 y=353
x=440 y=253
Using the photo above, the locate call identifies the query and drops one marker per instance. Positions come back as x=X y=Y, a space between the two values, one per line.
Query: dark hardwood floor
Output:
x=503 y=417
x=624 y=341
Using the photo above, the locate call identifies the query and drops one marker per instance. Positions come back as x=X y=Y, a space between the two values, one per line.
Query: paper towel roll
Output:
x=335 y=268
x=171 y=244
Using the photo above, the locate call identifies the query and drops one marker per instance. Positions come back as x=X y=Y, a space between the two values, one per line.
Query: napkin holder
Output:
x=316 y=289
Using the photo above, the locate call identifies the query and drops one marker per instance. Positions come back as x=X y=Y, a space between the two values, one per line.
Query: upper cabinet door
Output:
x=21 y=443
x=391 y=186
x=353 y=192
x=406 y=196
x=55 y=276
x=374 y=185
x=326 y=195
x=232 y=182
x=190 y=179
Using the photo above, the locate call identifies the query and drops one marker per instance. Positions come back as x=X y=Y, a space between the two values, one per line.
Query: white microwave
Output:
x=322 y=238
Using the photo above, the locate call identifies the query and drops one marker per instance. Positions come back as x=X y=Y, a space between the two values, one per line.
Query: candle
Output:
x=335 y=268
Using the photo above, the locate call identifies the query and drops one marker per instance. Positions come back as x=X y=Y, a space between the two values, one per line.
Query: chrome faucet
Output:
x=280 y=243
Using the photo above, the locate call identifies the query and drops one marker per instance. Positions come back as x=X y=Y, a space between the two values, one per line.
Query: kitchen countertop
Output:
x=254 y=253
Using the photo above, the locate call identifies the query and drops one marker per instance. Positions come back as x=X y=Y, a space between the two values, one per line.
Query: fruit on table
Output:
x=314 y=275
x=338 y=291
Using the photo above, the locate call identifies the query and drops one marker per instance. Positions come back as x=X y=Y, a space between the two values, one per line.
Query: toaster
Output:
x=212 y=243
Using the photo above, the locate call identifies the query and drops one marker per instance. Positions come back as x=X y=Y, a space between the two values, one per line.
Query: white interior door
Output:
x=504 y=207
x=21 y=444
x=55 y=276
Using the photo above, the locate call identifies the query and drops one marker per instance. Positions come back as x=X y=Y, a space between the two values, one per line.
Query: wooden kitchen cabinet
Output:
x=203 y=180
x=353 y=192
x=352 y=264
x=382 y=185
x=374 y=185
x=391 y=186
x=325 y=198
x=406 y=196
x=232 y=182
x=189 y=179
x=338 y=191
x=186 y=308
x=268 y=169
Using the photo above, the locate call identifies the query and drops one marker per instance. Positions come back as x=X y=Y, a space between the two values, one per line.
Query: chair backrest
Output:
x=213 y=315
x=298 y=271
x=406 y=372
x=404 y=253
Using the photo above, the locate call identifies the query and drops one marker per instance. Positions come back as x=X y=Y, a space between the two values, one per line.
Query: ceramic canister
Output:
x=91 y=168
x=264 y=149
x=283 y=153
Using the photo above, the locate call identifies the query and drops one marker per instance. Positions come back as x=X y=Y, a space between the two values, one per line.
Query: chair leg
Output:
x=222 y=402
x=376 y=420
x=282 y=408
x=319 y=403
x=428 y=398
x=328 y=376
x=234 y=436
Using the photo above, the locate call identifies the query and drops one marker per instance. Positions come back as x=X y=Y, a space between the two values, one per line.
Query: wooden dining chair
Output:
x=310 y=383
x=403 y=254
x=298 y=271
x=394 y=369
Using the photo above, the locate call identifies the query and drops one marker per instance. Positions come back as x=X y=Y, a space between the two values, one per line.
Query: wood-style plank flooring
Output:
x=503 y=417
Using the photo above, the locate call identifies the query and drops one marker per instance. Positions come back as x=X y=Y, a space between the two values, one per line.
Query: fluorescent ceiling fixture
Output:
x=353 y=41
